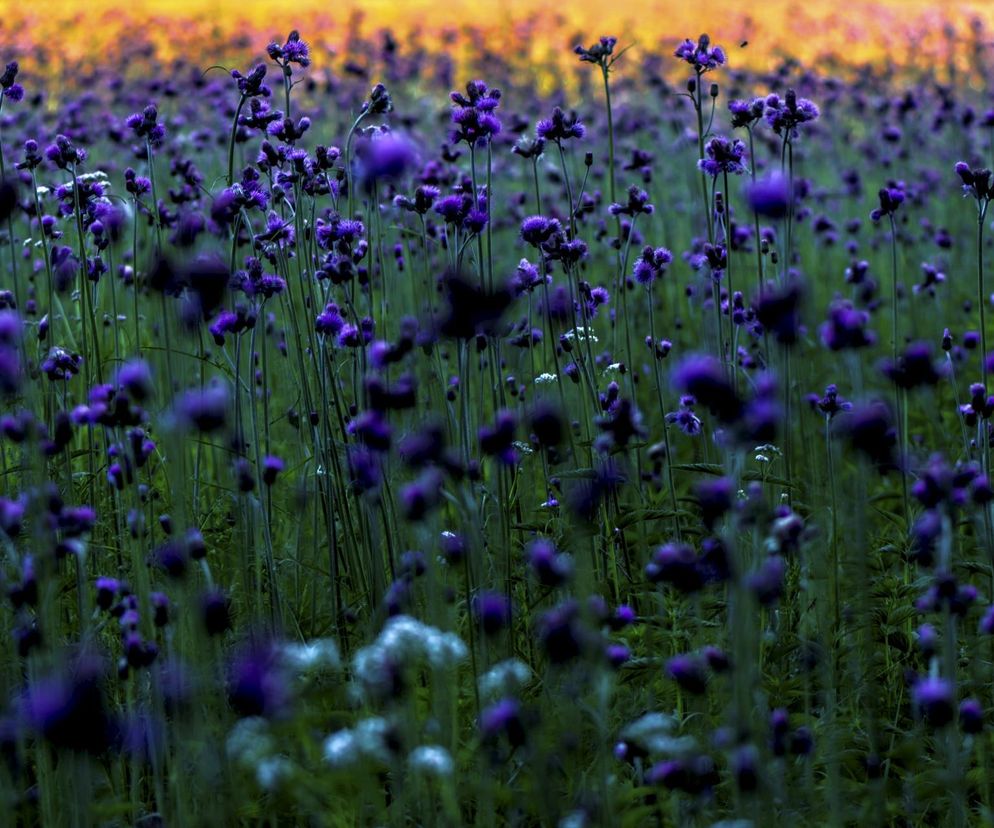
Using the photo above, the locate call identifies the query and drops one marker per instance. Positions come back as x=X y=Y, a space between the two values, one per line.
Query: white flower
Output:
x=574 y=819
x=432 y=760
x=405 y=641
x=766 y=452
x=505 y=678
x=614 y=367
x=249 y=741
x=368 y=740
x=271 y=771
x=313 y=656
x=546 y=379
x=581 y=334
x=524 y=448
x=653 y=732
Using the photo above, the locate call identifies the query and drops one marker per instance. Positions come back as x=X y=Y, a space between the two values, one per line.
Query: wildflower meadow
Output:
x=402 y=432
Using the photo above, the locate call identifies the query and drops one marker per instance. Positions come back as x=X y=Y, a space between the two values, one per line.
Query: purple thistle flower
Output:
x=559 y=127
x=10 y=90
x=769 y=197
x=933 y=699
x=702 y=56
x=652 y=264
x=785 y=115
x=599 y=52
x=724 y=157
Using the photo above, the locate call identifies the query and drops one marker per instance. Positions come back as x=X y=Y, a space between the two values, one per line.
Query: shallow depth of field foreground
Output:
x=402 y=428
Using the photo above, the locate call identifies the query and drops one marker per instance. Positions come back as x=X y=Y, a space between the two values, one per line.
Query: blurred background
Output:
x=66 y=36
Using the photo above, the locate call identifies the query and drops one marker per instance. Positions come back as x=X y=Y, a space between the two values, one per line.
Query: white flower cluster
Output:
x=766 y=453
x=250 y=746
x=367 y=740
x=505 y=678
x=653 y=731
x=406 y=642
x=320 y=655
x=545 y=379
x=431 y=760
x=581 y=334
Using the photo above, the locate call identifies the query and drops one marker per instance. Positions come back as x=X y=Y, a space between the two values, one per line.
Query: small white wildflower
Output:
x=505 y=678
x=340 y=749
x=445 y=649
x=613 y=368
x=405 y=641
x=368 y=740
x=767 y=452
x=653 y=731
x=581 y=334
x=431 y=760
x=371 y=738
x=313 y=656
x=273 y=770
x=546 y=379
x=524 y=448
x=249 y=741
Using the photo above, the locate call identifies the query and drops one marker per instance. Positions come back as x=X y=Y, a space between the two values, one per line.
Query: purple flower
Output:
x=205 y=410
x=637 y=204
x=652 y=264
x=503 y=718
x=706 y=380
x=145 y=125
x=70 y=709
x=599 y=52
x=891 y=197
x=559 y=127
x=294 y=50
x=746 y=113
x=846 y=328
x=702 y=56
x=933 y=699
x=689 y=672
x=785 y=115
x=976 y=182
x=724 y=157
x=257 y=682
x=769 y=197
x=10 y=90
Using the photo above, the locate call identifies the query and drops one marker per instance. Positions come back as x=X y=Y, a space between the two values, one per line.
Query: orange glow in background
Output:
x=53 y=36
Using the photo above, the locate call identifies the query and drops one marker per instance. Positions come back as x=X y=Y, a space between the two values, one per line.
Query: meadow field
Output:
x=468 y=416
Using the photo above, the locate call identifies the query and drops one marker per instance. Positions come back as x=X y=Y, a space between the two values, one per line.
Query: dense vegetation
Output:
x=612 y=456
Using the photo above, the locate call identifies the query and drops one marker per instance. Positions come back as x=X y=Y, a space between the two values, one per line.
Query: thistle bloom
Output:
x=10 y=90
x=785 y=115
x=651 y=265
x=637 y=204
x=724 y=157
x=702 y=56
x=559 y=127
x=976 y=182
x=294 y=50
x=145 y=125
x=891 y=198
x=473 y=114
x=746 y=114
x=769 y=197
x=599 y=52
